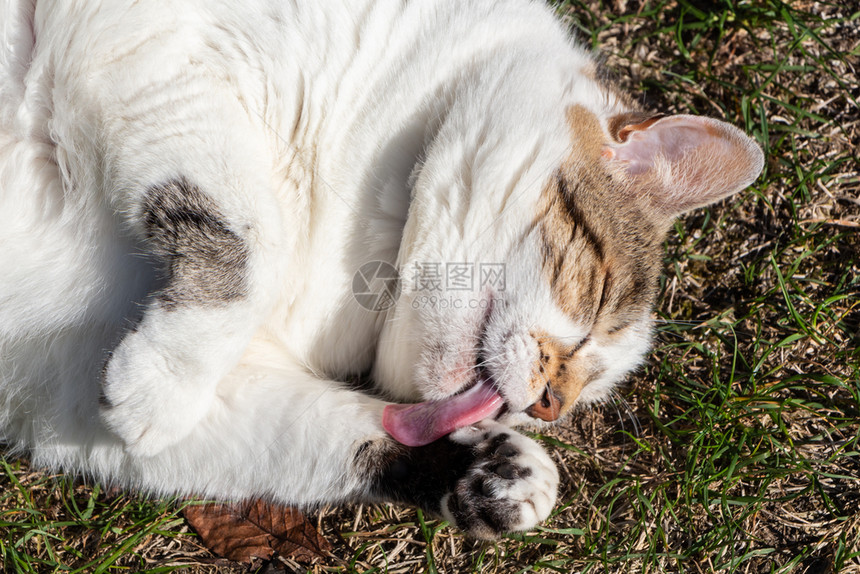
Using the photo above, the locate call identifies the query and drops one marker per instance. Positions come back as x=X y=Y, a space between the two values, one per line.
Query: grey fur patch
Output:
x=206 y=262
x=373 y=456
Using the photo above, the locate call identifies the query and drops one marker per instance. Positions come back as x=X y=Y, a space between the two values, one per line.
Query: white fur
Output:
x=329 y=134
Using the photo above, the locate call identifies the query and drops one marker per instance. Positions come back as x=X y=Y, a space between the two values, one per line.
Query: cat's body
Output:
x=187 y=191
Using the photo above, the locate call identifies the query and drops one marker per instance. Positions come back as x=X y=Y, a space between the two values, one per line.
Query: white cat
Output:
x=193 y=195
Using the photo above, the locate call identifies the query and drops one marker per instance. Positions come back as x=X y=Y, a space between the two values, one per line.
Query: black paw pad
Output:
x=506 y=450
x=497 y=442
x=507 y=471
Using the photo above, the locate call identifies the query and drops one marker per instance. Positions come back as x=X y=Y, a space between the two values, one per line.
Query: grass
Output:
x=49 y=523
x=737 y=448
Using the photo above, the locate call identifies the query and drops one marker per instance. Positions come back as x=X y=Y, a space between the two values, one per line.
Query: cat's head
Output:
x=533 y=269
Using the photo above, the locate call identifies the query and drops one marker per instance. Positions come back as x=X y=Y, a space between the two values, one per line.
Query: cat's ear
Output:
x=678 y=163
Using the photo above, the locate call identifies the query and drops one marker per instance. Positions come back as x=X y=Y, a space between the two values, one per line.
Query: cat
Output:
x=215 y=215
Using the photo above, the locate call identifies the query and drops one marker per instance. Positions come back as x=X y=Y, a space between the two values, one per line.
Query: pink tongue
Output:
x=422 y=423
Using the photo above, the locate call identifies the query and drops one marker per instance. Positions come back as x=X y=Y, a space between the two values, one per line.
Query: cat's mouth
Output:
x=422 y=423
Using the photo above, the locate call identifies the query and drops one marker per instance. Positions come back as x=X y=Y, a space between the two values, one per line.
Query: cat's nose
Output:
x=547 y=407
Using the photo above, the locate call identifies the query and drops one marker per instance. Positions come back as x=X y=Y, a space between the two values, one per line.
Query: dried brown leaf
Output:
x=248 y=532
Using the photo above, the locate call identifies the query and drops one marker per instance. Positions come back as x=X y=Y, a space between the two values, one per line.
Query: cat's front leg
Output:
x=487 y=479
x=191 y=181
x=282 y=433
x=161 y=378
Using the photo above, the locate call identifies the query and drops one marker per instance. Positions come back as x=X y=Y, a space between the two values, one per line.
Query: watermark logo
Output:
x=448 y=285
x=376 y=286
x=442 y=285
x=459 y=276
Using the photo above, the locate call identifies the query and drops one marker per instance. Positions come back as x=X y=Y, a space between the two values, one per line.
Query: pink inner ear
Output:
x=672 y=140
x=683 y=162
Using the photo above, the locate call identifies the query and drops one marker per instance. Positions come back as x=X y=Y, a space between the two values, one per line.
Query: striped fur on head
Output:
x=601 y=250
x=601 y=255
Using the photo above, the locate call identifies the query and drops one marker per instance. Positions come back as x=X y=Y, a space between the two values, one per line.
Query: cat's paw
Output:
x=511 y=485
x=149 y=399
